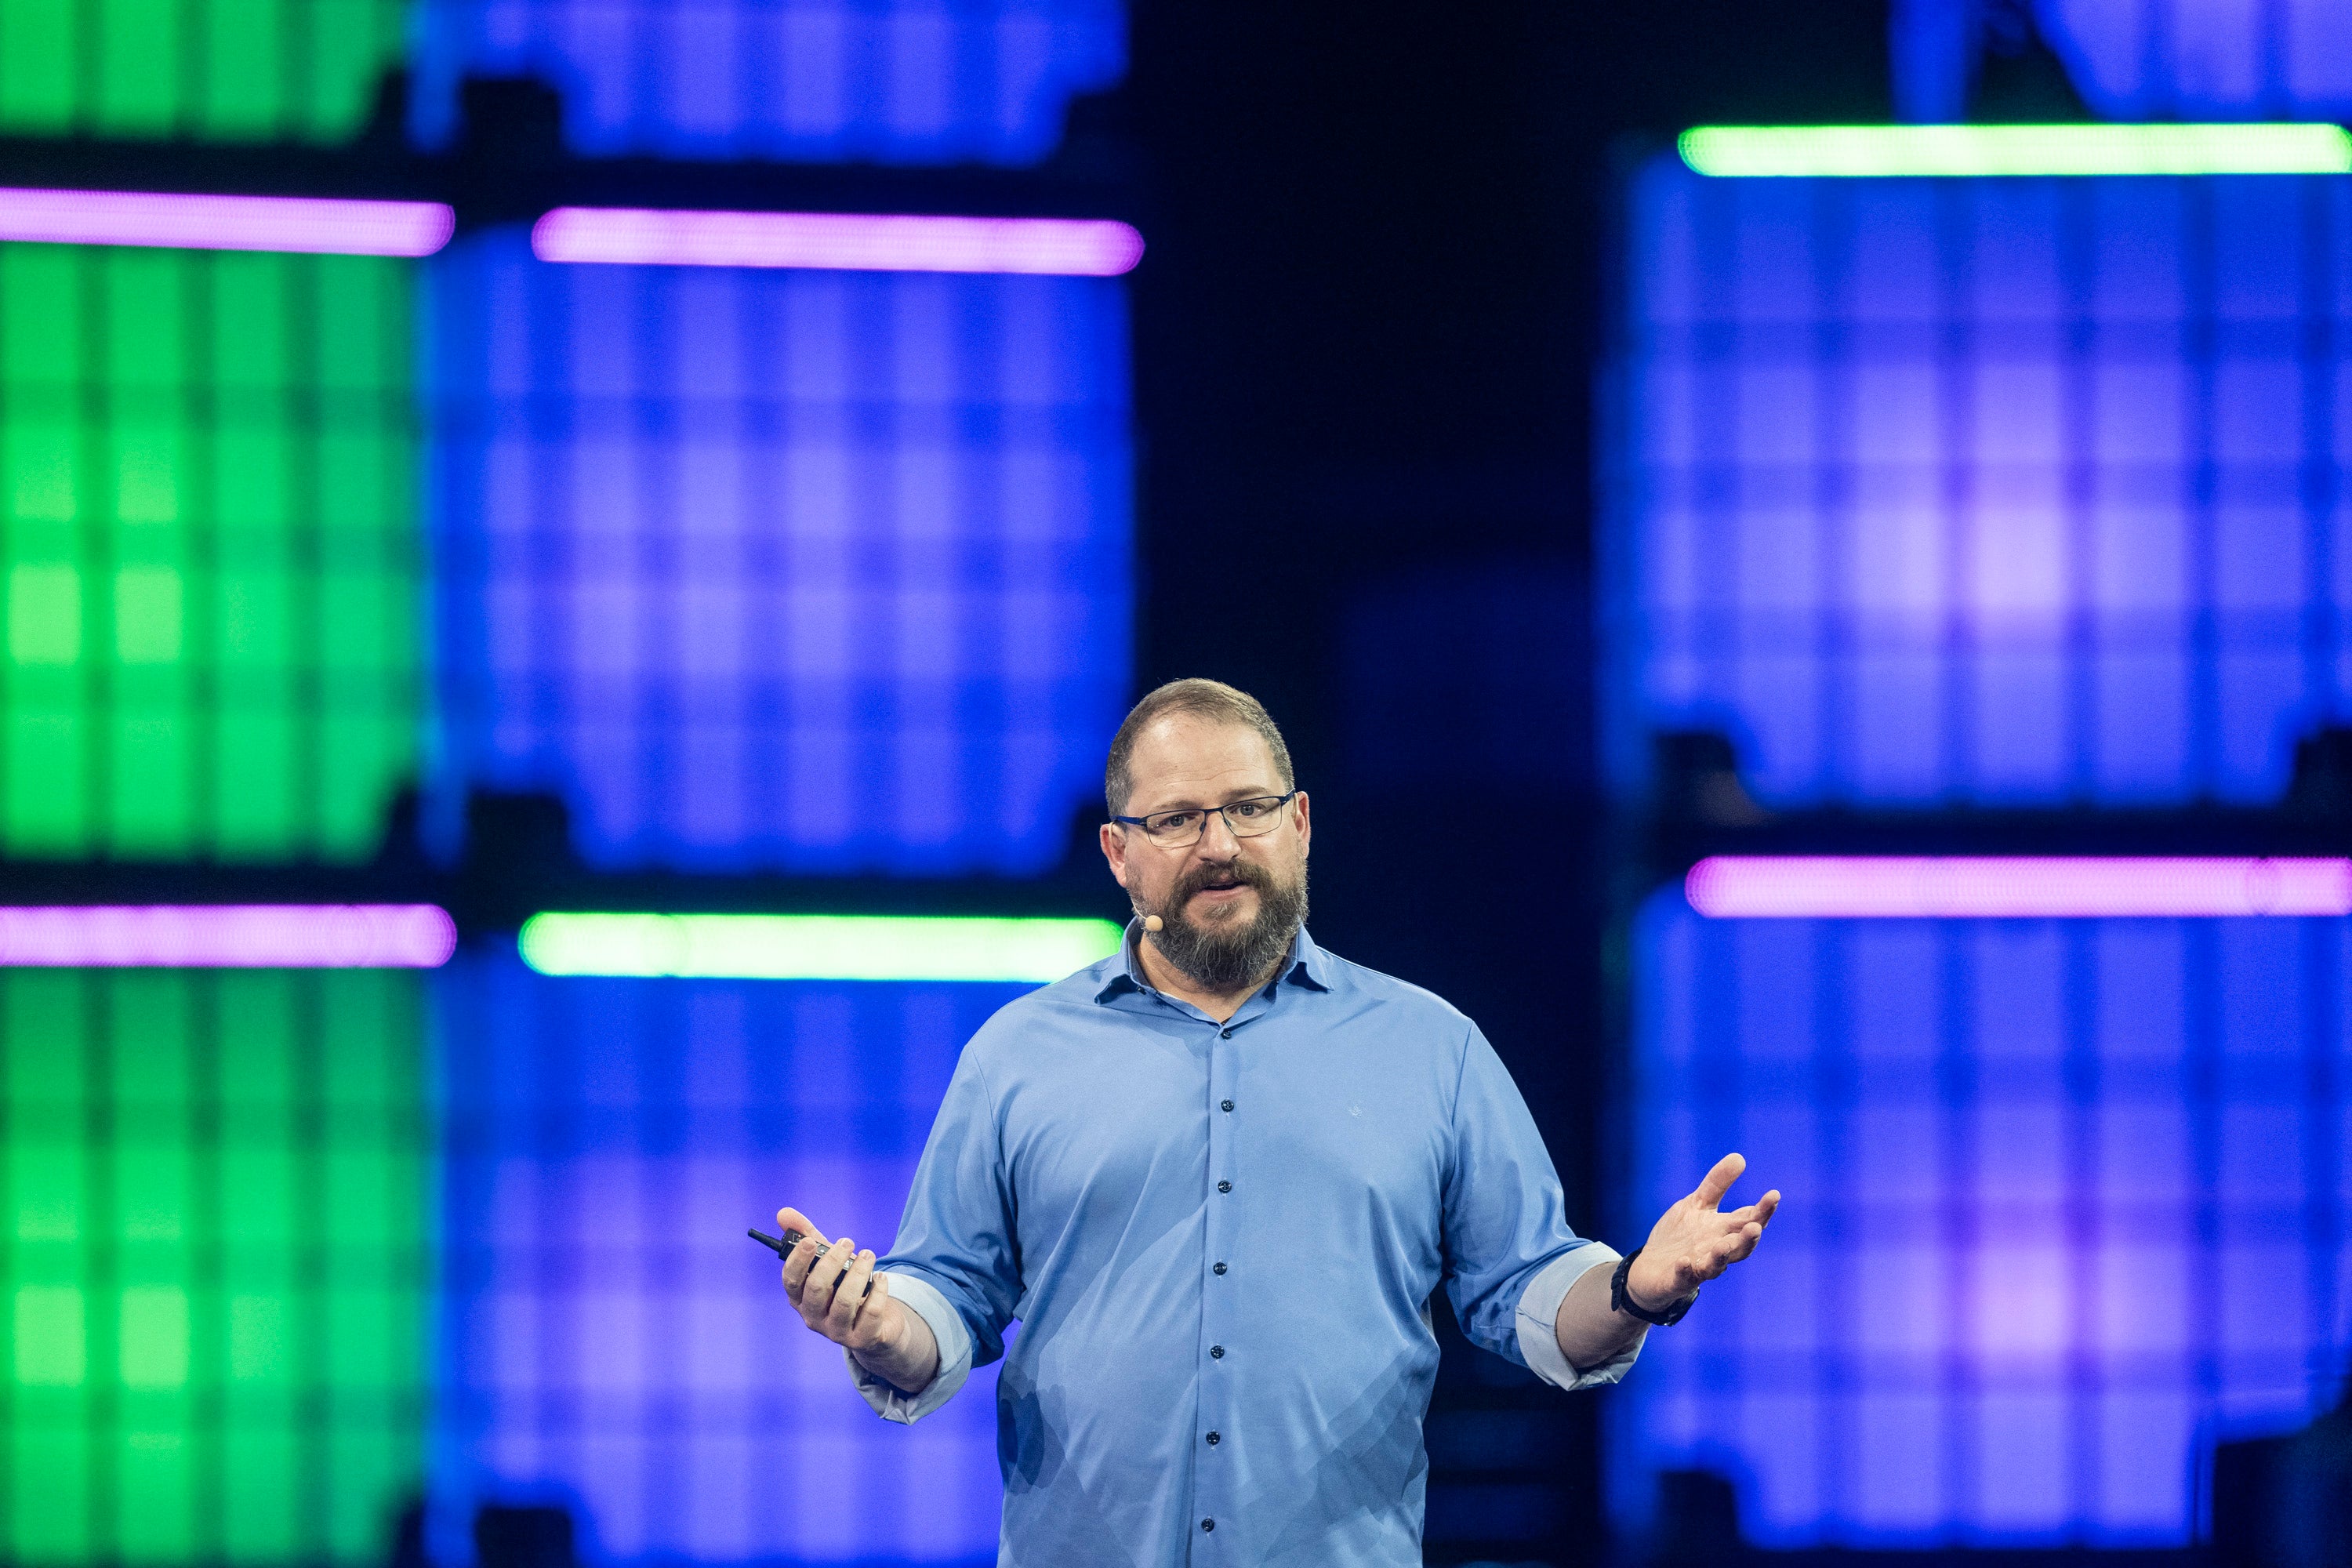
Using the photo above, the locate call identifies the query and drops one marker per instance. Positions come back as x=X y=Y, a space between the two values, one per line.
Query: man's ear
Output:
x=1113 y=839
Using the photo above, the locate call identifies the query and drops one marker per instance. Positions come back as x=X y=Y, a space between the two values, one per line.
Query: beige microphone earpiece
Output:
x=1151 y=922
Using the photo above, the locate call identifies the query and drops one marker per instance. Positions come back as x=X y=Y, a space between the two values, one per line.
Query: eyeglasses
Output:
x=1243 y=819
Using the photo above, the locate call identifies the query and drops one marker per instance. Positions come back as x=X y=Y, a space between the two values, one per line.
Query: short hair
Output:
x=1209 y=699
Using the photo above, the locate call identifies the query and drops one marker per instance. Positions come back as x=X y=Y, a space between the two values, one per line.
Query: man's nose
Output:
x=1218 y=840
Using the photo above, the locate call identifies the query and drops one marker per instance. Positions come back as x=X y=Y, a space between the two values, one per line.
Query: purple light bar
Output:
x=1735 y=887
x=308 y=224
x=853 y=242
x=228 y=936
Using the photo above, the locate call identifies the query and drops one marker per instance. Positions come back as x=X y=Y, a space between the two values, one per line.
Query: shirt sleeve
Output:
x=1509 y=1246
x=955 y=1263
x=1539 y=1321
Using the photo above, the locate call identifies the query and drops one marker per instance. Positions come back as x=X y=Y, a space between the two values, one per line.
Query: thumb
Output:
x=1718 y=1181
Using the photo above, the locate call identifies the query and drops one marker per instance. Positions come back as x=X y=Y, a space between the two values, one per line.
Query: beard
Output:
x=1222 y=959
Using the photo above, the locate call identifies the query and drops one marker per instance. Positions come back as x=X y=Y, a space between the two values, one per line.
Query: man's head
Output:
x=1228 y=903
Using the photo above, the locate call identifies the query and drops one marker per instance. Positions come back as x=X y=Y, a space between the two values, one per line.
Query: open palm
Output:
x=1696 y=1240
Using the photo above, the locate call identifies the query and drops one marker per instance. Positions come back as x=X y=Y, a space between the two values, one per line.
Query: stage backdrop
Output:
x=2018 y=492
x=610 y=1338
x=763 y=569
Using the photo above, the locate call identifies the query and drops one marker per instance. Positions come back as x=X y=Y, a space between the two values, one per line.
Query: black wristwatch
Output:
x=1619 y=1301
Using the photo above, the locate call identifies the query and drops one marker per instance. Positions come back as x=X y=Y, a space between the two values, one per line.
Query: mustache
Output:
x=1234 y=873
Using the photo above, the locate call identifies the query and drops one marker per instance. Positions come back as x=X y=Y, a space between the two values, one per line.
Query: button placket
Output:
x=1220 y=1246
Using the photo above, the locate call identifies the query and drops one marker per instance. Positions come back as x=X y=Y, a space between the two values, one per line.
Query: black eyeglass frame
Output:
x=1208 y=811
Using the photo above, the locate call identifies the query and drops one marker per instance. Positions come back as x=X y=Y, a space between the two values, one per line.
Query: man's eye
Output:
x=1171 y=821
x=1249 y=810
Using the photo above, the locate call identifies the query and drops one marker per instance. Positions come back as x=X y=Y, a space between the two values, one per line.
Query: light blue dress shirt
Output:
x=1220 y=1242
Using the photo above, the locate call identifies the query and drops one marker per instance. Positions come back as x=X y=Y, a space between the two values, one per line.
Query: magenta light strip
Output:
x=227 y=936
x=309 y=224
x=1068 y=247
x=1737 y=887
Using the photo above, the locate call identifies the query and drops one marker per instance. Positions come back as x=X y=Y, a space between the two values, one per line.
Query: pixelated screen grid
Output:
x=217 y=1264
x=2214 y=59
x=2066 y=1202
x=214 y=70
x=893 y=81
x=611 y=1338
x=823 y=572
x=2007 y=491
x=213 y=580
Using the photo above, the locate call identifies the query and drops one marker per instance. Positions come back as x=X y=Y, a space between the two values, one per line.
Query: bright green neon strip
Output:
x=1883 y=150
x=815 y=947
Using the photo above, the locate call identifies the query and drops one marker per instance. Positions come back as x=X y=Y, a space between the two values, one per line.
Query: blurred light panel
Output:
x=214 y=70
x=227 y=936
x=815 y=947
x=2066 y=1200
x=1886 y=151
x=610 y=1337
x=852 y=242
x=303 y=223
x=2011 y=492
x=211 y=554
x=217 y=1262
x=1739 y=887
x=825 y=572
x=893 y=81
x=2252 y=59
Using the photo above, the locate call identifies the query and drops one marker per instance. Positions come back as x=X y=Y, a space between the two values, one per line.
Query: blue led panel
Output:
x=611 y=1341
x=2214 y=59
x=2016 y=492
x=822 y=572
x=2065 y=1201
x=891 y=81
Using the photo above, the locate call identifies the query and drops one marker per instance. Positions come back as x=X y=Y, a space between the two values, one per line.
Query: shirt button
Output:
x=1225 y=1186
x=1224 y=1105
x=1214 y=1439
x=1224 y=1033
x=1208 y=1524
x=1216 y=1352
x=1219 y=1269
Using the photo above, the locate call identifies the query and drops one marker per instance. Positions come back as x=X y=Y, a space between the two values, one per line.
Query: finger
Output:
x=1767 y=1206
x=850 y=1297
x=800 y=1260
x=1718 y=1181
x=823 y=1280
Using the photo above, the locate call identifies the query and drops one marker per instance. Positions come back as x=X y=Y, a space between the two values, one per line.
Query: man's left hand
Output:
x=1695 y=1241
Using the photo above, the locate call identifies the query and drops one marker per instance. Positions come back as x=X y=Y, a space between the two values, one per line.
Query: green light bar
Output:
x=1894 y=151
x=815 y=947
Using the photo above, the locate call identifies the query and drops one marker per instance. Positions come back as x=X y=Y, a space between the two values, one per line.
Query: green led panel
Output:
x=208 y=573
x=1979 y=151
x=238 y=70
x=216 y=1266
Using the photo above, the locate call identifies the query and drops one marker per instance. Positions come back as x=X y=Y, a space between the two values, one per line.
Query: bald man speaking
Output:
x=1217 y=1178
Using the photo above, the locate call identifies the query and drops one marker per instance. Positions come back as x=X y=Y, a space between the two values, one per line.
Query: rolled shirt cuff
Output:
x=955 y=1356
x=1539 y=1316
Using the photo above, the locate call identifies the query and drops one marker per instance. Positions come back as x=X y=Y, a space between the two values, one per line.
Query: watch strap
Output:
x=1621 y=1301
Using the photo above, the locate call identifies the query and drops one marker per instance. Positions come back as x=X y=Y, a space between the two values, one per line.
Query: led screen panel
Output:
x=218 y=1265
x=211 y=570
x=2013 y=492
x=891 y=81
x=2066 y=1199
x=2219 y=60
x=214 y=70
x=612 y=1341
x=822 y=572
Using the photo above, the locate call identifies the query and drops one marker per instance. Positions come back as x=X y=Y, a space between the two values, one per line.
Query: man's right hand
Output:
x=828 y=1286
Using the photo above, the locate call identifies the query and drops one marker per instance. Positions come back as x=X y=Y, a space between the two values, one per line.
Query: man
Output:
x=1216 y=1178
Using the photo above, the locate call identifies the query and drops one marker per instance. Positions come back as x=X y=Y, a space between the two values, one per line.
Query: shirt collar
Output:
x=1306 y=965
